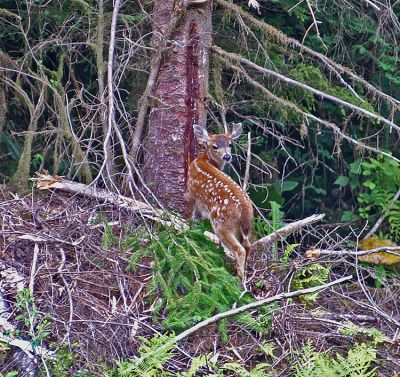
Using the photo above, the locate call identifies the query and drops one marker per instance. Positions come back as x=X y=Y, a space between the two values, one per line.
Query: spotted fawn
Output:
x=215 y=196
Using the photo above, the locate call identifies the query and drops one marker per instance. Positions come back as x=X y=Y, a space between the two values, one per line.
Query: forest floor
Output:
x=97 y=308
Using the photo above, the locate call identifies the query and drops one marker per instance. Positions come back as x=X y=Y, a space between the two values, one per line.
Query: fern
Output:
x=381 y=181
x=356 y=364
x=151 y=360
x=310 y=276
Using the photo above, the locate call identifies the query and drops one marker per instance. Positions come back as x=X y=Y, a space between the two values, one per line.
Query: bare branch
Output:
x=286 y=230
x=283 y=39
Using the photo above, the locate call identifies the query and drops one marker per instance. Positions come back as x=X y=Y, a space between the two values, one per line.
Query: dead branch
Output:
x=25 y=353
x=238 y=58
x=48 y=182
x=286 y=230
x=283 y=39
x=293 y=107
x=316 y=253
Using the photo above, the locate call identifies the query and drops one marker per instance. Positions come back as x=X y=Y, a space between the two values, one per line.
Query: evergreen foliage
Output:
x=190 y=275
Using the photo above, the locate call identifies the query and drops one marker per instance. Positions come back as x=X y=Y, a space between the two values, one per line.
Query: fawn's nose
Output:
x=227 y=157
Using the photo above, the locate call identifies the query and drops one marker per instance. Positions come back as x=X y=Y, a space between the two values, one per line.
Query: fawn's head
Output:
x=218 y=146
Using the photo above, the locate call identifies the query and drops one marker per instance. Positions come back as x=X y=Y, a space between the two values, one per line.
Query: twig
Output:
x=380 y=220
x=315 y=23
x=372 y=4
x=69 y=293
x=33 y=268
x=248 y=162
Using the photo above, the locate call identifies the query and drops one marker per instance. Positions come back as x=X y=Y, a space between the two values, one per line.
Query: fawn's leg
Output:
x=229 y=241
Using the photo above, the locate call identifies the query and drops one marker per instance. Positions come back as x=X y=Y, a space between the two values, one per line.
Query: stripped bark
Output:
x=180 y=91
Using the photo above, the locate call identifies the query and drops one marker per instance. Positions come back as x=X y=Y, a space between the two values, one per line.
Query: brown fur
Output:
x=215 y=196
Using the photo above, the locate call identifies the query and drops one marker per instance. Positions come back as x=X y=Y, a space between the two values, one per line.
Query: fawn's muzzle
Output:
x=227 y=157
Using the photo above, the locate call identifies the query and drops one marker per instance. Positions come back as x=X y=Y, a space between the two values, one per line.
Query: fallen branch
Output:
x=242 y=309
x=286 y=230
x=47 y=182
x=316 y=253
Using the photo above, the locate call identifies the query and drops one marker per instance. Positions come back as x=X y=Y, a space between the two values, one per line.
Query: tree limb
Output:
x=286 y=230
x=293 y=107
x=283 y=39
x=48 y=182
x=239 y=58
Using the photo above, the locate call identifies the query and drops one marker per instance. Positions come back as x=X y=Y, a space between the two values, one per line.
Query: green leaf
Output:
x=285 y=186
x=342 y=181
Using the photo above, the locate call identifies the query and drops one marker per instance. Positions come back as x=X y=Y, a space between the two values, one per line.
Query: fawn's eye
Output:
x=215 y=147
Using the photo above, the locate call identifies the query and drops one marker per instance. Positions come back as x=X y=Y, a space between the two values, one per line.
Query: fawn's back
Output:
x=215 y=196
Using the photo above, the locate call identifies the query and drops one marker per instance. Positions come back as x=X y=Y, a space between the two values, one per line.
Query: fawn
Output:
x=215 y=196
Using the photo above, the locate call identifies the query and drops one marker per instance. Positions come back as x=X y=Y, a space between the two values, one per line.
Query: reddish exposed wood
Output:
x=180 y=95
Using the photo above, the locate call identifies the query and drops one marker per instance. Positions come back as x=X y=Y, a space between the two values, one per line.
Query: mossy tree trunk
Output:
x=22 y=175
x=178 y=101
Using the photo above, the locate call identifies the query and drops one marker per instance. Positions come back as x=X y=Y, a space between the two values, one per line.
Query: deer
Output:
x=215 y=196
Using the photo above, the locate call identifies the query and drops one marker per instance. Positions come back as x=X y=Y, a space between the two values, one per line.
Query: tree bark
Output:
x=179 y=101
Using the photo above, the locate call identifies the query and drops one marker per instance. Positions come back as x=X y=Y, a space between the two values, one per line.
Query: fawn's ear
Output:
x=201 y=133
x=236 y=130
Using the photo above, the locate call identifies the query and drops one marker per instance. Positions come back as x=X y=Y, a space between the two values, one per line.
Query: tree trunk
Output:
x=179 y=101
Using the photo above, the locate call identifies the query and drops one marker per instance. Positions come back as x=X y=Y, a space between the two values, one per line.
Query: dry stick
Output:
x=380 y=220
x=283 y=39
x=33 y=268
x=244 y=308
x=110 y=118
x=248 y=162
x=314 y=253
x=293 y=107
x=315 y=23
x=151 y=81
x=286 y=230
x=105 y=118
x=238 y=58
x=69 y=293
x=372 y=4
